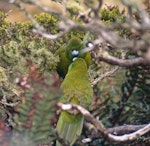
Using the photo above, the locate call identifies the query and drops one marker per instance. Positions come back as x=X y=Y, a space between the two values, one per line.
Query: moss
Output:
x=3 y=77
x=112 y=15
x=50 y=22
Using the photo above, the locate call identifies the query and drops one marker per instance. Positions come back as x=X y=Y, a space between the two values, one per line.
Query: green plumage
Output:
x=76 y=89
x=66 y=57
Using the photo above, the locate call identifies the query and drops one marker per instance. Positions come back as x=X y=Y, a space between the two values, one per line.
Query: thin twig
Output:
x=103 y=76
x=19 y=4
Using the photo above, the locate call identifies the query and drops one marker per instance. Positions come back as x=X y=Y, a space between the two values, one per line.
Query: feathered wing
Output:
x=64 y=62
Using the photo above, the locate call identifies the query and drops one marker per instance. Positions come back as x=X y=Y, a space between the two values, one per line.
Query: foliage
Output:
x=27 y=62
x=140 y=81
x=19 y=44
x=112 y=15
x=19 y=47
x=50 y=22
x=35 y=116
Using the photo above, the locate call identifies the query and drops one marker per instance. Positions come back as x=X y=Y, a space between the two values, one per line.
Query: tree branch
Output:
x=83 y=111
x=123 y=62
x=107 y=132
x=131 y=136
x=124 y=129
x=118 y=130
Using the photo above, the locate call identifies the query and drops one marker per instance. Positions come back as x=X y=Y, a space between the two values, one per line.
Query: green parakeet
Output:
x=68 y=52
x=76 y=88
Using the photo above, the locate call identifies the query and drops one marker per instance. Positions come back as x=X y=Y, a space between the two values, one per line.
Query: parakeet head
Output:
x=70 y=52
x=74 y=48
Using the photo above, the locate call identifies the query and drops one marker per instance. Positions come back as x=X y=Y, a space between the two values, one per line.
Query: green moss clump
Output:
x=50 y=22
x=112 y=15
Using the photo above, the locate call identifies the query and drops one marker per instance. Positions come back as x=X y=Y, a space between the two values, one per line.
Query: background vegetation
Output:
x=119 y=74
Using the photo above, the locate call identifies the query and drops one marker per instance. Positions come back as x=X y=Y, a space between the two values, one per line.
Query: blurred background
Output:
x=14 y=14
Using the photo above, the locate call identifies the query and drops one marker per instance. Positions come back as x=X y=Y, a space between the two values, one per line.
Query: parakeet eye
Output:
x=89 y=44
x=75 y=53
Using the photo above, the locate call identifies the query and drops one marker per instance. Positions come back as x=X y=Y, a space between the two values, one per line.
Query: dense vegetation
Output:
x=119 y=74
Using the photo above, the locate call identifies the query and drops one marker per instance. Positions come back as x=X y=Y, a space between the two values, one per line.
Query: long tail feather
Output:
x=69 y=127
